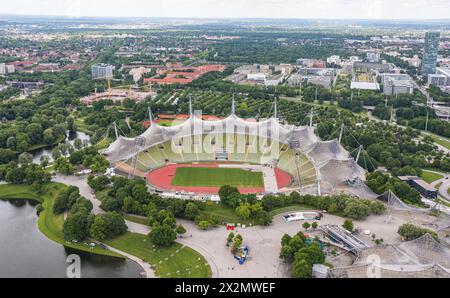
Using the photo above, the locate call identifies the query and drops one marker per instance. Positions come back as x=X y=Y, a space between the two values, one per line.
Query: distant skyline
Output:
x=292 y=9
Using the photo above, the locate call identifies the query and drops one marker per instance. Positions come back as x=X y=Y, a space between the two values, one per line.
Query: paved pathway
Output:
x=86 y=192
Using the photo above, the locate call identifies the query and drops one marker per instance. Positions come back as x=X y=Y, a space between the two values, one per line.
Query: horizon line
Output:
x=220 y=18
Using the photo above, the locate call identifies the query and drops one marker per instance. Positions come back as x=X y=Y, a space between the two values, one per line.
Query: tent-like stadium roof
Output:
x=334 y=166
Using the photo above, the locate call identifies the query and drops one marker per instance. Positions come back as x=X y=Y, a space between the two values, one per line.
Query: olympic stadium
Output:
x=197 y=155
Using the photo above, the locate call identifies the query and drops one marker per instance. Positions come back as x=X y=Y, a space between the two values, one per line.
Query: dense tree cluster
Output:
x=381 y=183
x=302 y=254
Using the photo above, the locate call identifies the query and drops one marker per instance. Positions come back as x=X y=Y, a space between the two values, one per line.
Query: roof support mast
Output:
x=342 y=132
x=115 y=130
x=359 y=153
x=191 y=113
x=311 y=115
x=233 y=106
x=275 y=114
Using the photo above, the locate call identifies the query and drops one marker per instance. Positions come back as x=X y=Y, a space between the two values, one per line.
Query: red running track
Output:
x=162 y=179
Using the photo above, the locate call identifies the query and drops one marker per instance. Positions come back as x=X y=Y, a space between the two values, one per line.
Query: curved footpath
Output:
x=85 y=191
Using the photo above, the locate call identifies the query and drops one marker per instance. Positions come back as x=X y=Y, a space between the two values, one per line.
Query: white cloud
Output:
x=330 y=9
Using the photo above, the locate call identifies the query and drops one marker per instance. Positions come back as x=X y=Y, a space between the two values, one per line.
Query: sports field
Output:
x=216 y=177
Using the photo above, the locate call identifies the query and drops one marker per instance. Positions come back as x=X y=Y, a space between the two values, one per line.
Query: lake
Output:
x=26 y=252
x=37 y=154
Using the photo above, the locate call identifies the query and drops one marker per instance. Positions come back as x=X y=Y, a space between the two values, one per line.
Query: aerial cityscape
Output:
x=184 y=142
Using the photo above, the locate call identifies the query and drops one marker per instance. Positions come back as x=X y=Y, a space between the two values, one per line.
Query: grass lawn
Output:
x=430 y=177
x=217 y=177
x=49 y=224
x=176 y=261
x=291 y=208
x=440 y=141
x=136 y=219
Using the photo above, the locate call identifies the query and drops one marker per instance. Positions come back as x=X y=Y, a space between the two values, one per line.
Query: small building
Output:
x=421 y=186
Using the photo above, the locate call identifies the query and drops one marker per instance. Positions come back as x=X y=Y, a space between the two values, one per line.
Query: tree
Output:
x=78 y=144
x=180 y=230
x=108 y=226
x=306 y=225
x=203 y=225
x=76 y=226
x=162 y=236
x=237 y=243
x=191 y=211
x=348 y=225
x=314 y=225
x=44 y=160
x=230 y=238
x=302 y=269
x=226 y=192
x=244 y=211
x=25 y=158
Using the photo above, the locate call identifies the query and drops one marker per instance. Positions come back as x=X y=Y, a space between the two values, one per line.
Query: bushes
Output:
x=339 y=204
x=410 y=232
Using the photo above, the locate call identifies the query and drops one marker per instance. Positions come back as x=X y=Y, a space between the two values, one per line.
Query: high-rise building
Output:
x=429 y=60
x=102 y=71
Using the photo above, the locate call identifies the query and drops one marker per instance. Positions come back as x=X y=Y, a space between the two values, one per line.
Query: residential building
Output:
x=102 y=71
x=373 y=57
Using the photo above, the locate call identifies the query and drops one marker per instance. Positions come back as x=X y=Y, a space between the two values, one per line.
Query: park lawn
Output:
x=49 y=224
x=430 y=177
x=176 y=262
x=83 y=127
x=217 y=177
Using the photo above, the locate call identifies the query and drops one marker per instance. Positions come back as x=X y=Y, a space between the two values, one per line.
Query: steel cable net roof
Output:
x=422 y=257
x=331 y=161
x=396 y=203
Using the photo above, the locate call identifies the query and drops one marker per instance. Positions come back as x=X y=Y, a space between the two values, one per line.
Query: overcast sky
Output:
x=327 y=9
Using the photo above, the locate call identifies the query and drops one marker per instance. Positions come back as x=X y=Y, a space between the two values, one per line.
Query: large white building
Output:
x=102 y=71
x=397 y=84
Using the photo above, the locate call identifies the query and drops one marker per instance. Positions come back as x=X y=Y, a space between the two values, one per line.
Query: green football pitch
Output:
x=217 y=177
